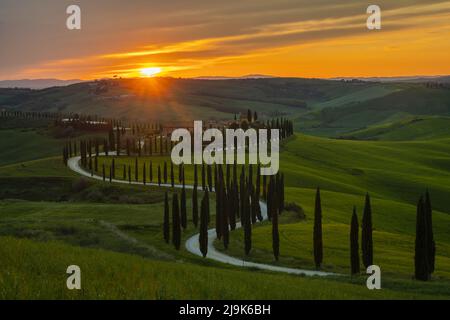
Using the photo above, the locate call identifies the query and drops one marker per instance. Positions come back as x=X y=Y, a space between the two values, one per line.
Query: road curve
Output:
x=192 y=244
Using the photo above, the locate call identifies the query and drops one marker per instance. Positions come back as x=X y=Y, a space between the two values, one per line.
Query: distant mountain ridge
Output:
x=37 y=83
x=413 y=79
x=248 y=76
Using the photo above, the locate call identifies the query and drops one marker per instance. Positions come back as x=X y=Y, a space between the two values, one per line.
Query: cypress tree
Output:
x=90 y=163
x=194 y=206
x=203 y=237
x=128 y=148
x=431 y=245
x=195 y=176
x=203 y=177
x=354 y=246
x=183 y=208
x=136 y=169
x=265 y=187
x=281 y=193
x=215 y=177
x=366 y=234
x=166 y=226
x=172 y=179
x=209 y=175
x=225 y=219
x=318 y=243
x=176 y=228
x=236 y=199
x=113 y=169
x=247 y=224
x=275 y=234
x=421 y=263
x=159 y=175
x=165 y=172
x=118 y=141
x=208 y=211
x=144 y=173
x=258 y=180
x=219 y=207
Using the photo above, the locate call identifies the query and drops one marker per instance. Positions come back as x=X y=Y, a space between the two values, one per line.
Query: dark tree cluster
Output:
x=425 y=246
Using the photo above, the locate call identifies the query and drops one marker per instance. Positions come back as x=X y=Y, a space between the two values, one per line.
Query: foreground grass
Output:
x=30 y=270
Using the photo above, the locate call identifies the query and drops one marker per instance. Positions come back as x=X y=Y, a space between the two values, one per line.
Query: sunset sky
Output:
x=185 y=38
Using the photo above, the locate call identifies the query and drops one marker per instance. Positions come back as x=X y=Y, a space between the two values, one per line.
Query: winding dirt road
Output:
x=192 y=244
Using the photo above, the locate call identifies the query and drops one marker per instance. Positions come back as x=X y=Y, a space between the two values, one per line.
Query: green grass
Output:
x=26 y=144
x=394 y=232
x=413 y=100
x=30 y=270
x=415 y=128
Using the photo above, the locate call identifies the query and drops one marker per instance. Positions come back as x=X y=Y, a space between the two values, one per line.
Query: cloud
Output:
x=190 y=35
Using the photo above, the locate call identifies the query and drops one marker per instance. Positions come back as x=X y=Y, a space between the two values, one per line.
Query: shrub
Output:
x=80 y=184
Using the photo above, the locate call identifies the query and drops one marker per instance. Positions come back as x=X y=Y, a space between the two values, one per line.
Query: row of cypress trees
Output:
x=366 y=236
x=233 y=201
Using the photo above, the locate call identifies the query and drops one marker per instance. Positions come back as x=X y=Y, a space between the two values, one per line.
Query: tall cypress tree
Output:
x=165 y=172
x=159 y=175
x=183 y=208
x=166 y=226
x=219 y=209
x=318 y=242
x=144 y=173
x=366 y=234
x=194 y=206
x=354 y=246
x=265 y=187
x=203 y=237
x=176 y=228
x=247 y=224
x=203 y=177
x=209 y=176
x=195 y=176
x=431 y=245
x=172 y=179
x=136 y=169
x=225 y=219
x=421 y=263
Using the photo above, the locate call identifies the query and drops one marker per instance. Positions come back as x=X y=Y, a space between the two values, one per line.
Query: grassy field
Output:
x=114 y=232
x=37 y=270
x=415 y=128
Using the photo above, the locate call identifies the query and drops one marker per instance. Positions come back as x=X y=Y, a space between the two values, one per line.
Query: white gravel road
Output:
x=192 y=244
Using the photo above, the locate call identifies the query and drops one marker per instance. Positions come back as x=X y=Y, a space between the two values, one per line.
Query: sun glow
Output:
x=150 y=72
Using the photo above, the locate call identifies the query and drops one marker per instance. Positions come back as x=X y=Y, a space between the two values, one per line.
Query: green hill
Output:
x=415 y=128
x=187 y=99
x=358 y=115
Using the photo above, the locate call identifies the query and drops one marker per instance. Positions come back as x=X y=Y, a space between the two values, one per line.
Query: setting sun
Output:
x=150 y=72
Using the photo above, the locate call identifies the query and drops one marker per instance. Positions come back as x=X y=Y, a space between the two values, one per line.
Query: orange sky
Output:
x=283 y=38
